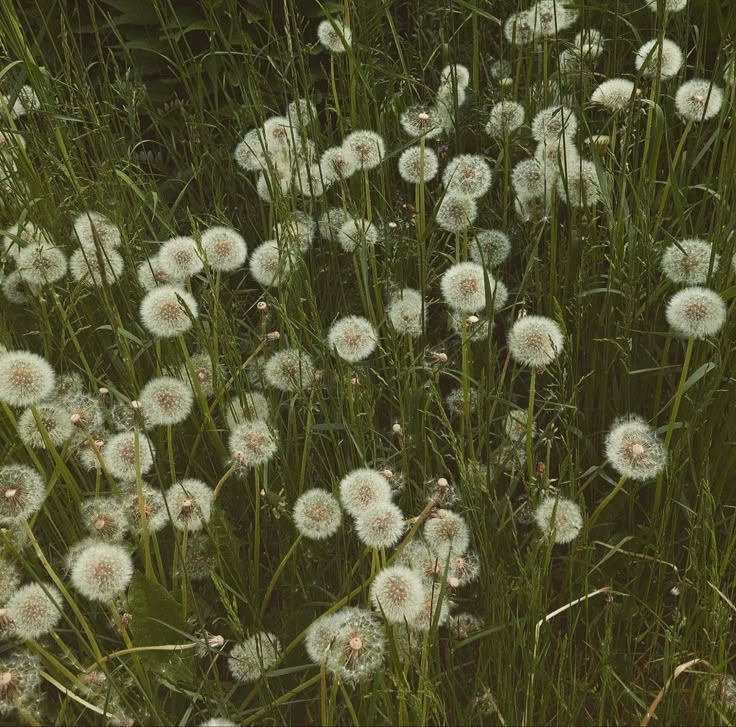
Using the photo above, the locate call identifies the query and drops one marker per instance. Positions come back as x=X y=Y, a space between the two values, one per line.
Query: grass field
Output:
x=509 y=483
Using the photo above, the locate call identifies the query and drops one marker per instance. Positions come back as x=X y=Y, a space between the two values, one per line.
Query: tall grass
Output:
x=100 y=140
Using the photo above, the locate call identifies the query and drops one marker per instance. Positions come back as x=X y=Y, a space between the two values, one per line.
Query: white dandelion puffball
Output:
x=289 y=370
x=615 y=94
x=463 y=287
x=22 y=492
x=363 y=488
x=380 y=526
x=519 y=28
x=353 y=338
x=446 y=531
x=549 y=17
x=581 y=186
x=317 y=514
x=296 y=233
x=180 y=257
x=449 y=98
x=515 y=425
x=9 y=580
x=255 y=656
x=321 y=634
x=417 y=165
x=300 y=112
x=93 y=229
x=25 y=378
x=698 y=100
x=189 y=503
x=334 y=36
x=421 y=121
x=167 y=311
x=696 y=312
x=86 y=268
x=310 y=181
x=405 y=312
x=166 y=401
x=432 y=610
x=121 y=459
x=270 y=266
x=669 y=6
x=559 y=518
x=35 y=610
x=153 y=506
x=490 y=248
x=101 y=571
x=22 y=234
x=275 y=182
x=551 y=124
x=455 y=74
x=224 y=248
x=688 y=261
x=104 y=517
x=252 y=443
x=355 y=234
x=338 y=163
x=202 y=373
x=398 y=593
x=358 y=648
x=531 y=179
x=456 y=212
x=151 y=273
x=251 y=154
x=56 y=423
x=256 y=406
x=505 y=117
x=655 y=59
x=218 y=722
x=41 y=263
x=467 y=174
x=17 y=290
x=367 y=146
x=633 y=449
x=331 y=221
x=535 y=341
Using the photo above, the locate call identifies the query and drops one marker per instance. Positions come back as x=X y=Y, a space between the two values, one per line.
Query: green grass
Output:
x=185 y=88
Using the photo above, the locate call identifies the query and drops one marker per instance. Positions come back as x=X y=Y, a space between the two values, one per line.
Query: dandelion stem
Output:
x=530 y=427
x=605 y=503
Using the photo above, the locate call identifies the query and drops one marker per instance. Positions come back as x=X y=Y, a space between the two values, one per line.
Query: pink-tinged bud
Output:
x=270 y=337
x=473 y=319
x=439 y=357
x=442 y=482
x=215 y=641
x=99 y=443
x=354 y=380
x=238 y=456
x=388 y=474
x=453 y=582
x=392 y=225
x=75 y=418
x=396 y=428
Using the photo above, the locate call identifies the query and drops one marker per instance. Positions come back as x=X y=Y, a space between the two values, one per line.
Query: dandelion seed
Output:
x=463 y=287
x=322 y=633
x=363 y=488
x=225 y=249
x=93 y=230
x=317 y=514
x=339 y=163
x=552 y=124
x=104 y=518
x=417 y=165
x=355 y=234
x=368 y=147
x=353 y=338
x=669 y=6
x=515 y=425
x=398 y=593
x=120 y=455
x=421 y=121
x=559 y=518
x=464 y=625
x=456 y=212
x=42 y=263
x=166 y=401
x=289 y=370
x=505 y=117
x=380 y=525
x=615 y=94
x=154 y=508
x=151 y=273
x=490 y=248
x=254 y=657
x=56 y=424
x=689 y=261
x=35 y=610
x=180 y=257
x=633 y=449
x=254 y=440
x=189 y=503
x=297 y=233
x=334 y=35
x=446 y=533
x=85 y=267
x=167 y=311
x=25 y=378
x=467 y=174
x=102 y=571
x=256 y=406
x=359 y=647
x=696 y=312
x=664 y=60
x=269 y=266
x=535 y=341
x=405 y=312
x=581 y=187
x=698 y=100
x=19 y=681
x=9 y=580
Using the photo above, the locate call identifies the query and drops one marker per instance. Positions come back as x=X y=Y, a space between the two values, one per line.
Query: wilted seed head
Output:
x=551 y=124
x=256 y=406
x=405 y=312
x=355 y=234
x=104 y=518
x=368 y=147
x=120 y=455
x=505 y=117
x=669 y=6
x=289 y=370
x=633 y=449
x=417 y=165
x=696 y=312
x=398 y=593
x=166 y=311
x=689 y=261
x=317 y=514
x=334 y=35
x=463 y=625
x=698 y=100
x=35 y=610
x=580 y=187
x=655 y=59
x=615 y=94
x=433 y=609
x=421 y=121
x=25 y=378
x=55 y=421
x=322 y=633
x=255 y=656
x=255 y=441
x=353 y=338
x=19 y=681
x=456 y=212
x=446 y=533
x=363 y=488
x=464 y=569
x=455 y=400
x=9 y=581
x=535 y=341
x=154 y=508
x=22 y=491
x=381 y=525
x=359 y=646
x=41 y=263
x=559 y=518
x=101 y=571
x=269 y=266
x=85 y=266
x=166 y=401
x=93 y=229
x=189 y=503
x=224 y=248
x=467 y=174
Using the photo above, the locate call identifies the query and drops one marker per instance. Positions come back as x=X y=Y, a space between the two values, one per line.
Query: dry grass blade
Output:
x=679 y=670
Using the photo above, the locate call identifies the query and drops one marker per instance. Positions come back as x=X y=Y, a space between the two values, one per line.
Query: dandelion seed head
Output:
x=456 y=212
x=166 y=400
x=380 y=525
x=432 y=610
x=254 y=657
x=331 y=221
x=464 y=569
x=359 y=647
x=669 y=6
x=104 y=518
x=19 y=681
x=696 y=312
x=339 y=163
x=535 y=341
x=532 y=179
x=664 y=60
x=688 y=261
x=93 y=229
x=317 y=514
x=455 y=401
x=368 y=147
x=21 y=235
x=17 y=290
x=416 y=165
x=355 y=234
x=549 y=17
x=256 y=406
x=456 y=74
x=269 y=266
x=551 y=124
x=397 y=592
x=224 y=248
x=581 y=187
x=505 y=117
x=165 y=311
x=42 y=263
x=25 y=378
x=405 y=312
x=154 y=508
x=633 y=449
x=322 y=633
x=189 y=503
x=180 y=257
x=559 y=518
x=120 y=455
x=353 y=338
x=9 y=580
x=490 y=248
x=218 y=722
x=102 y=571
x=35 y=610
x=467 y=174
x=85 y=267
x=56 y=424
x=448 y=98
x=329 y=32
x=463 y=625
x=421 y=120
x=519 y=28
x=151 y=273
x=698 y=100
x=289 y=370
x=467 y=329
x=203 y=371
x=463 y=287
x=276 y=179
x=363 y=488
x=615 y=94
x=256 y=442
x=446 y=532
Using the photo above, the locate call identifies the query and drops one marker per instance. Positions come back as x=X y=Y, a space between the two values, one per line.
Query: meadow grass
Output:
x=142 y=127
